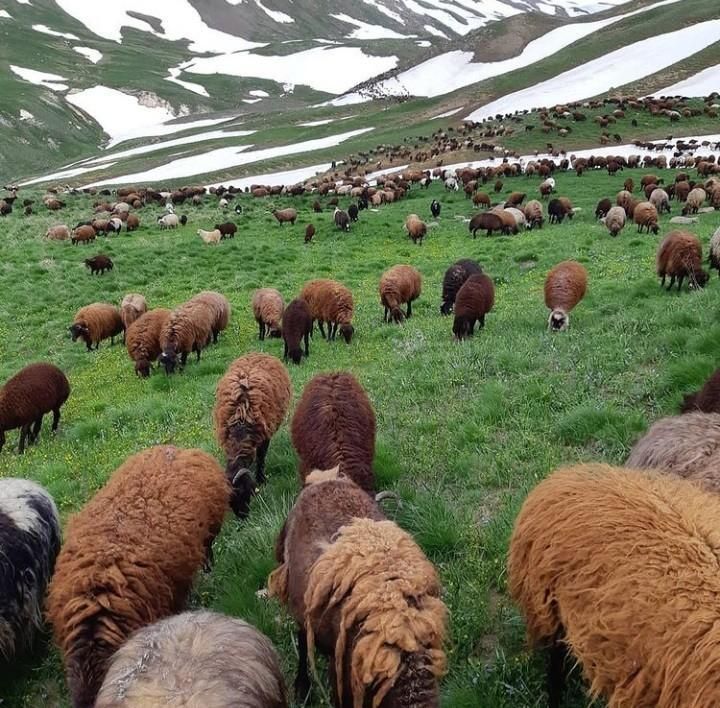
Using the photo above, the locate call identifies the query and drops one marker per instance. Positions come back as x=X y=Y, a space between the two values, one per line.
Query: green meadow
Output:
x=464 y=429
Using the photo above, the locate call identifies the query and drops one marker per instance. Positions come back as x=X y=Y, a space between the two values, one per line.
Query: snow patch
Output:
x=66 y=174
x=385 y=11
x=251 y=100
x=447 y=113
x=40 y=78
x=366 y=31
x=703 y=83
x=433 y=30
x=423 y=43
x=314 y=123
x=274 y=178
x=5 y=15
x=26 y=115
x=476 y=15
x=276 y=15
x=53 y=33
x=259 y=93
x=189 y=85
x=92 y=54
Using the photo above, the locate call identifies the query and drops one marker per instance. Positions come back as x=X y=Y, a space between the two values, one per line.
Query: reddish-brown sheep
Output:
x=96 y=322
x=82 y=234
x=142 y=339
x=489 y=221
x=297 y=326
x=416 y=228
x=219 y=307
x=680 y=256
x=474 y=300
x=309 y=233
x=534 y=214
x=188 y=329
x=399 y=284
x=645 y=216
x=132 y=223
x=268 y=306
x=332 y=303
x=455 y=276
x=565 y=286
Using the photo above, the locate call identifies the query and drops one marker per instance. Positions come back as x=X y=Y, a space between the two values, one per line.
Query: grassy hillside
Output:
x=464 y=430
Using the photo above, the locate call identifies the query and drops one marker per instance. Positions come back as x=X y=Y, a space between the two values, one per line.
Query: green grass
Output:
x=464 y=430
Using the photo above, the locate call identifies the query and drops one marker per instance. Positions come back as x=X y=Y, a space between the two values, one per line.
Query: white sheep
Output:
x=210 y=237
x=169 y=221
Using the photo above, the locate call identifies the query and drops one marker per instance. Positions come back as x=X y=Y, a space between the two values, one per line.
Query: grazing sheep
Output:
x=620 y=568
x=297 y=325
x=227 y=230
x=490 y=221
x=332 y=303
x=602 y=209
x=353 y=212
x=363 y=592
x=251 y=402
x=142 y=339
x=629 y=185
x=168 y=221
x=547 y=187
x=474 y=300
x=509 y=223
x=341 y=219
x=114 y=225
x=454 y=277
x=211 y=238
x=695 y=199
x=558 y=209
x=219 y=307
x=183 y=219
x=195 y=658
x=59 y=232
x=416 y=228
x=309 y=233
x=481 y=199
x=83 y=234
x=399 y=284
x=660 y=200
x=707 y=399
x=26 y=397
x=565 y=286
x=435 y=208
x=680 y=256
x=99 y=264
x=30 y=541
x=715 y=251
x=285 y=216
x=515 y=199
x=132 y=223
x=534 y=214
x=317 y=207
x=519 y=217
x=96 y=322
x=646 y=216
x=188 y=329
x=615 y=220
x=133 y=305
x=130 y=556
x=268 y=305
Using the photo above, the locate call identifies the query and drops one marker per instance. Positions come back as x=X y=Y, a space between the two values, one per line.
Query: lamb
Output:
x=330 y=301
x=416 y=228
x=695 y=199
x=251 y=402
x=455 y=276
x=602 y=208
x=99 y=264
x=60 y=232
x=615 y=220
x=341 y=219
x=133 y=305
x=211 y=238
x=268 y=305
x=196 y=658
x=132 y=223
x=227 y=230
x=83 y=234
x=534 y=214
x=96 y=322
x=714 y=256
x=399 y=284
x=188 y=329
x=620 y=567
x=490 y=221
x=142 y=339
x=297 y=325
x=680 y=256
x=474 y=300
x=30 y=541
x=334 y=426
x=435 y=208
x=565 y=286
x=707 y=399
x=660 y=200
x=220 y=309
x=168 y=221
x=130 y=556
x=309 y=233
x=646 y=216
x=360 y=589
x=284 y=216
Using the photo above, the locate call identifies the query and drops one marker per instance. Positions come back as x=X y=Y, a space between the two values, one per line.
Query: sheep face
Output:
x=295 y=355
x=347 y=331
x=169 y=360
x=142 y=368
x=398 y=315
x=79 y=331
x=558 y=321
x=243 y=490
x=275 y=333
x=698 y=279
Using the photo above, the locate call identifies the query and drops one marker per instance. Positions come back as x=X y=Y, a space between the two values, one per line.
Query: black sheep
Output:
x=99 y=264
x=353 y=212
x=556 y=211
x=183 y=219
x=227 y=230
x=435 y=208
x=297 y=325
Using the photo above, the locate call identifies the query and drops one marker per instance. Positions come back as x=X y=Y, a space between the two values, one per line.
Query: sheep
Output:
x=416 y=228
x=227 y=230
x=481 y=199
x=353 y=212
x=60 y=232
x=284 y=216
x=602 y=208
x=454 y=277
x=707 y=399
x=519 y=217
x=559 y=209
x=183 y=219
x=341 y=219
x=565 y=286
x=474 y=300
x=133 y=305
x=695 y=199
x=646 y=216
x=714 y=248
x=83 y=234
x=515 y=199
x=220 y=309
x=142 y=339
x=195 y=658
x=399 y=284
x=96 y=322
x=680 y=256
x=268 y=305
x=547 y=187
x=660 y=200
x=30 y=541
x=132 y=223
x=317 y=207
x=211 y=238
x=99 y=264
x=321 y=443
x=615 y=220
x=509 y=223
x=534 y=214
x=114 y=225
x=168 y=221
x=188 y=329
x=620 y=567
x=251 y=402
x=435 y=208
x=297 y=325
x=629 y=185
x=362 y=590
x=330 y=301
x=309 y=233
x=130 y=556
x=490 y=221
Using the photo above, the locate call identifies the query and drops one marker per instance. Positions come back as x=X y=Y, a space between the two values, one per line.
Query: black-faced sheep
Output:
x=534 y=216
x=474 y=300
x=227 y=230
x=309 y=233
x=680 y=256
x=416 y=228
x=707 y=399
x=330 y=303
x=219 y=307
x=133 y=305
x=285 y=216
x=30 y=541
x=268 y=306
x=251 y=402
x=455 y=276
x=297 y=326
x=195 y=658
x=435 y=208
x=334 y=426
x=130 y=556
x=142 y=339
x=714 y=249
x=363 y=593
x=565 y=286
x=615 y=220
x=489 y=221
x=83 y=234
x=96 y=322
x=399 y=284
x=353 y=212
x=620 y=568
x=99 y=264
x=188 y=329
x=341 y=219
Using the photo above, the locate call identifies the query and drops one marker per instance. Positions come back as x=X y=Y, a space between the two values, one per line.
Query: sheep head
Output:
x=347 y=331
x=698 y=279
x=558 y=321
x=78 y=330
x=142 y=368
x=243 y=488
x=169 y=360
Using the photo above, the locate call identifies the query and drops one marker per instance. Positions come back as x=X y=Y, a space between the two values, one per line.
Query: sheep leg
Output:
x=409 y=309
x=302 y=680
x=36 y=430
x=662 y=283
x=215 y=339
x=307 y=344
x=261 y=328
x=209 y=556
x=322 y=329
x=24 y=435
x=672 y=282
x=183 y=359
x=285 y=353
x=385 y=315
x=482 y=321
x=260 y=469
x=56 y=419
x=556 y=671
x=680 y=281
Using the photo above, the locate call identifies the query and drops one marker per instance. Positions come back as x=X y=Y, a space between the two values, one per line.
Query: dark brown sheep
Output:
x=474 y=300
x=96 y=322
x=142 y=339
x=309 y=233
x=130 y=556
x=297 y=326
x=680 y=256
x=268 y=305
x=26 y=397
x=398 y=285
x=99 y=264
x=334 y=426
x=188 y=329
x=132 y=222
x=455 y=276
x=603 y=207
x=510 y=224
x=227 y=230
x=490 y=221
x=515 y=199
x=565 y=286
x=707 y=399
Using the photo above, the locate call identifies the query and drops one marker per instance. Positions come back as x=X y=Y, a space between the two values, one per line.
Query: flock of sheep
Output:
x=616 y=566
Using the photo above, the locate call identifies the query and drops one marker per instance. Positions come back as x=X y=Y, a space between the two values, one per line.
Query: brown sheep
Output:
x=509 y=224
x=481 y=199
x=645 y=216
x=682 y=189
x=26 y=398
x=332 y=303
x=680 y=256
x=714 y=248
x=309 y=233
x=416 y=228
x=695 y=199
x=534 y=214
x=363 y=592
x=142 y=339
x=615 y=220
x=82 y=234
x=488 y=220
x=707 y=399
x=565 y=286
x=474 y=300
x=220 y=308
x=650 y=179
x=130 y=556
x=515 y=199
x=58 y=233
x=99 y=264
x=334 y=426
x=620 y=568
x=133 y=305
x=297 y=325
x=455 y=276
x=284 y=216
x=188 y=329
x=268 y=305
x=251 y=402
x=195 y=658
x=399 y=284
x=96 y=322
x=629 y=185
x=132 y=223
